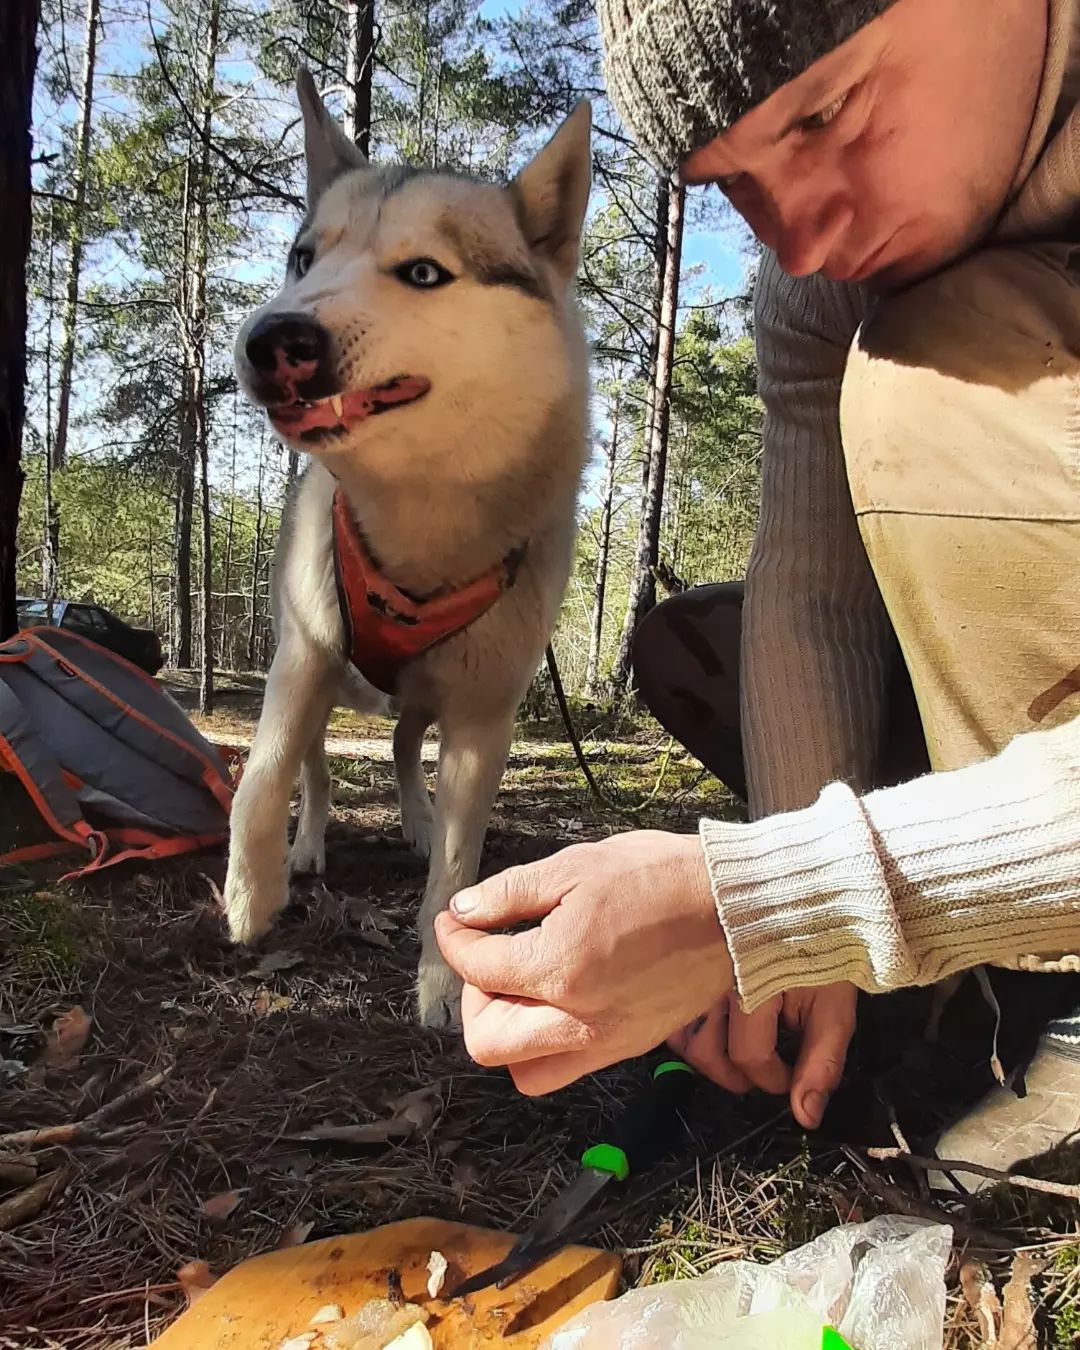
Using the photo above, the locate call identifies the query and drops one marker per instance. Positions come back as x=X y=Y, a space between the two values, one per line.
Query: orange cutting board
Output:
x=265 y=1301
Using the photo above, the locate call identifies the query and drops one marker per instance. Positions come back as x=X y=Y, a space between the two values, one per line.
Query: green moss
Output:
x=40 y=932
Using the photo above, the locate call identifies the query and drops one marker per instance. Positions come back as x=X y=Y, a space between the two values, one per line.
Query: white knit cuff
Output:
x=804 y=902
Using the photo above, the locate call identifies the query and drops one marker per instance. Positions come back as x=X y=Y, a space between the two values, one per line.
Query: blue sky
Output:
x=719 y=251
x=714 y=246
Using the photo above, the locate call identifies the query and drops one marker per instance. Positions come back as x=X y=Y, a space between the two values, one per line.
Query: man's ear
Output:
x=328 y=151
x=551 y=193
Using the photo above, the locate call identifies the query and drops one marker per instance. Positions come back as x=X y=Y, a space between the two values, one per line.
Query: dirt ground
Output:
x=230 y=1054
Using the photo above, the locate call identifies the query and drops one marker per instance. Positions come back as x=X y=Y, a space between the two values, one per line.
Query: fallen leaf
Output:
x=274 y=962
x=465 y=1177
x=1018 y=1321
x=11 y=1070
x=419 y=1107
x=297 y=1165
x=195 y=1279
x=982 y=1298
x=28 y=1203
x=377 y=1132
x=329 y=1312
x=66 y=1039
x=436 y=1266
x=17 y=1169
x=300 y=1342
x=373 y=1193
x=295 y=1235
x=371 y=937
x=219 y=1207
x=266 y=1002
x=366 y=914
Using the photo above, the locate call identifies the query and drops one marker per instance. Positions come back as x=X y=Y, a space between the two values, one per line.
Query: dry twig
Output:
x=79 y=1131
x=1067 y=1189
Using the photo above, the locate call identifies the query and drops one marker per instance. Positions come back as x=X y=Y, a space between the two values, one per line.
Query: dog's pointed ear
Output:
x=551 y=193
x=328 y=151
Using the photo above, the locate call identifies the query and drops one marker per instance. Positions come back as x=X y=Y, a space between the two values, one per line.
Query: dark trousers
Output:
x=686 y=662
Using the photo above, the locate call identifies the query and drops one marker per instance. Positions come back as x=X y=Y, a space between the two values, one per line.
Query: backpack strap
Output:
x=38 y=771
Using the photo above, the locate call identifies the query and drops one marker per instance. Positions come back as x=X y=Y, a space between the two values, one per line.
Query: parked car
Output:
x=140 y=646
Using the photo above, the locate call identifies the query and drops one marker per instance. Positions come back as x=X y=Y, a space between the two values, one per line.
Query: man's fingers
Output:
x=752 y=1047
x=517 y=895
x=827 y=1033
x=511 y=1031
x=495 y=962
x=538 y=1077
x=704 y=1046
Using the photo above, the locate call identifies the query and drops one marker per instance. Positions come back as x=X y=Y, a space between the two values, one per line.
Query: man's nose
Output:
x=801 y=226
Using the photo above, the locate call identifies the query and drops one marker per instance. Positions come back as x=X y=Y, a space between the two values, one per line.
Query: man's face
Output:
x=895 y=152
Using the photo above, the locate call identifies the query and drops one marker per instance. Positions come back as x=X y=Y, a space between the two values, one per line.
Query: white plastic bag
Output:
x=880 y=1284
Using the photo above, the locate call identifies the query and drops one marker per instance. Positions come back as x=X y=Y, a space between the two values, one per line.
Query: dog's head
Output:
x=441 y=301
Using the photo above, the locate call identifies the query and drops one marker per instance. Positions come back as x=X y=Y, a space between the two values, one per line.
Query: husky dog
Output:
x=445 y=304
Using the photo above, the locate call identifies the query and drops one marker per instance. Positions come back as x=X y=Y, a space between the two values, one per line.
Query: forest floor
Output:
x=233 y=1053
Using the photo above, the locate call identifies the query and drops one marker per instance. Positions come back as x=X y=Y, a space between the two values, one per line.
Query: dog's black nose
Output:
x=279 y=342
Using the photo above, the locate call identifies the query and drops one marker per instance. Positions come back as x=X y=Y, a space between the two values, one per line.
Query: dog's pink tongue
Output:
x=296 y=418
x=361 y=403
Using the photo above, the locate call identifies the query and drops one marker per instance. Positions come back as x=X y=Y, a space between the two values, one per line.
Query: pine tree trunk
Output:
x=603 y=552
x=663 y=207
x=188 y=440
x=50 y=524
x=642 y=595
x=18 y=28
x=151 y=579
x=359 y=65
x=197 y=329
x=620 y=671
x=185 y=499
x=226 y=566
x=76 y=235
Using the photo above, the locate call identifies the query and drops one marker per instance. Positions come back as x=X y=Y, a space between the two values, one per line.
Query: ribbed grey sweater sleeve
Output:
x=816 y=638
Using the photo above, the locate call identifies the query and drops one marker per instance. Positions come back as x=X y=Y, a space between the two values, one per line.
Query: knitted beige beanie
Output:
x=681 y=71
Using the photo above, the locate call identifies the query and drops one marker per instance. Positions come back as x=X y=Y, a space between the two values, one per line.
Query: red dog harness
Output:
x=385 y=629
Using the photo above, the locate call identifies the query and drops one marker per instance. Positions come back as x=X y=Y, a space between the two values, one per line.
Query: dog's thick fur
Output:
x=488 y=460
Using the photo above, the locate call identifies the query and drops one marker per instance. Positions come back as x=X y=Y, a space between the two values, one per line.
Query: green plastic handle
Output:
x=649 y=1126
x=832 y=1340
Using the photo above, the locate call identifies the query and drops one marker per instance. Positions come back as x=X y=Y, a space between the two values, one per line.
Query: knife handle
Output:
x=649 y=1125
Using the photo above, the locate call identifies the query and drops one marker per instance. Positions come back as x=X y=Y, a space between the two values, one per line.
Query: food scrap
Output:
x=380 y=1324
x=329 y=1312
x=436 y=1265
x=302 y=1342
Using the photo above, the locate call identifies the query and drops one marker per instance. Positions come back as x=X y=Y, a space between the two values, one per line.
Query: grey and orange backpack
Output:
x=108 y=763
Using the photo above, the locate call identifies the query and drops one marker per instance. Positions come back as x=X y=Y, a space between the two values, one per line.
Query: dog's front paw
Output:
x=253 y=897
x=416 y=825
x=307 y=856
x=438 y=994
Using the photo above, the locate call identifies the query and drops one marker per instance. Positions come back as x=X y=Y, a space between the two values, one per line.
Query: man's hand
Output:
x=628 y=949
x=738 y=1050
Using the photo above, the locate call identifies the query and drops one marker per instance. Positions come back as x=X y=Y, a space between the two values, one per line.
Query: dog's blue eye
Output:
x=423 y=273
x=302 y=260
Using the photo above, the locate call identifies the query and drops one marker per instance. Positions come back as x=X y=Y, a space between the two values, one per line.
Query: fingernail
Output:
x=814 y=1104
x=463 y=903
